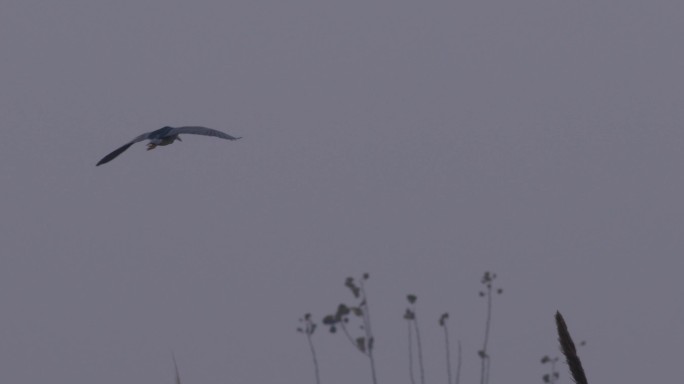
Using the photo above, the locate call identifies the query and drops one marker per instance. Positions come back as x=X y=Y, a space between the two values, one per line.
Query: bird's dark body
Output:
x=165 y=136
x=161 y=132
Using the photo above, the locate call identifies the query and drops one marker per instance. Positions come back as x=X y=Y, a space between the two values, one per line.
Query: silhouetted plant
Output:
x=442 y=323
x=458 y=363
x=411 y=317
x=365 y=342
x=569 y=350
x=553 y=374
x=175 y=367
x=445 y=326
x=407 y=316
x=308 y=327
x=354 y=322
x=488 y=281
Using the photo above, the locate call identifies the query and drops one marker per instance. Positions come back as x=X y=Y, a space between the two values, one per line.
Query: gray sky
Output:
x=422 y=142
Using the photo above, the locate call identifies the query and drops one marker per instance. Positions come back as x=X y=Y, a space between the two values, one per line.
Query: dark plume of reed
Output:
x=569 y=350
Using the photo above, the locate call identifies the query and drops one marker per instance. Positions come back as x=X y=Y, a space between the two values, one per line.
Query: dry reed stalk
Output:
x=569 y=350
x=175 y=367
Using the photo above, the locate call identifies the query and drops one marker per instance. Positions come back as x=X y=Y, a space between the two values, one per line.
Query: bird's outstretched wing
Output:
x=120 y=150
x=203 y=131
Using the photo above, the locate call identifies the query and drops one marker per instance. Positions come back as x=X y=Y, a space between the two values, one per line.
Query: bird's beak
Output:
x=178 y=138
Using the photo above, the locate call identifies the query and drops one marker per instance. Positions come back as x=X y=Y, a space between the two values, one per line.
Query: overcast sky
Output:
x=421 y=142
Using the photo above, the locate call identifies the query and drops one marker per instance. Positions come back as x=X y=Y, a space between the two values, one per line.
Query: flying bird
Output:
x=165 y=136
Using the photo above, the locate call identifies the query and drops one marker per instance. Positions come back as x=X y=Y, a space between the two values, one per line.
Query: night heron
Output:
x=165 y=136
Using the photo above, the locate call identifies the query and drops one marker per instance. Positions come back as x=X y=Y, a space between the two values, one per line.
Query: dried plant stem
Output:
x=420 y=349
x=552 y=376
x=175 y=367
x=458 y=364
x=569 y=350
x=484 y=368
x=370 y=342
x=313 y=356
x=349 y=337
x=448 y=353
x=372 y=364
x=410 y=343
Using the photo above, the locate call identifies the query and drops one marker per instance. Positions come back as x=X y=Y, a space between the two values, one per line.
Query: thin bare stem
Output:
x=484 y=374
x=552 y=377
x=458 y=364
x=372 y=364
x=370 y=341
x=313 y=356
x=175 y=367
x=448 y=352
x=410 y=343
x=486 y=363
x=308 y=328
x=346 y=333
x=420 y=349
